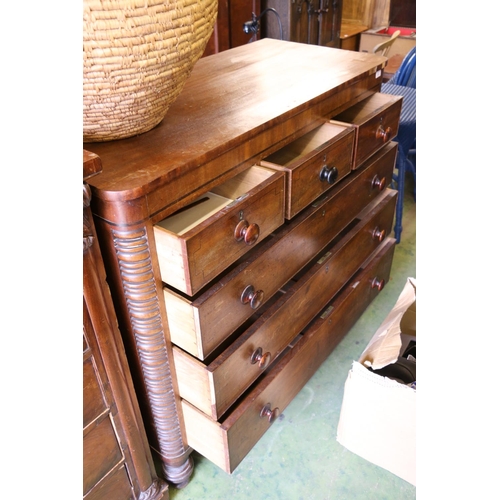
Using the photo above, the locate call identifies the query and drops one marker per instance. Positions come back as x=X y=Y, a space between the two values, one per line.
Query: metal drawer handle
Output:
x=247 y=232
x=385 y=135
x=328 y=174
x=252 y=297
x=262 y=359
x=378 y=284
x=271 y=415
x=378 y=234
x=378 y=183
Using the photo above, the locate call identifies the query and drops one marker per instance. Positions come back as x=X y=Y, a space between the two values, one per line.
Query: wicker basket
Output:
x=137 y=56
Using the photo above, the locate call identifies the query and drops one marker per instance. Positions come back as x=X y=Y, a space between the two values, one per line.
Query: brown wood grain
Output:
x=114 y=436
x=378 y=111
x=229 y=98
x=210 y=247
x=329 y=146
x=238 y=107
x=232 y=372
x=218 y=311
x=314 y=22
x=101 y=453
x=226 y=443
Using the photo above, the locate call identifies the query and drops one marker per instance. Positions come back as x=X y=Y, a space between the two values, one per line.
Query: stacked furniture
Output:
x=117 y=460
x=244 y=236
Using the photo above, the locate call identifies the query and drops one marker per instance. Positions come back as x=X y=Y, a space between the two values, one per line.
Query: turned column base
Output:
x=179 y=476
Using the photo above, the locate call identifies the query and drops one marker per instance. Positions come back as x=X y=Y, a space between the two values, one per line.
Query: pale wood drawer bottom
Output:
x=226 y=443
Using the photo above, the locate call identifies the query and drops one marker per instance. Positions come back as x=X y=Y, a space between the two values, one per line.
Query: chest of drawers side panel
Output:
x=135 y=283
x=108 y=383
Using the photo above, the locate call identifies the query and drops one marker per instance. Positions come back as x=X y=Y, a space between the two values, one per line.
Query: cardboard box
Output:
x=378 y=414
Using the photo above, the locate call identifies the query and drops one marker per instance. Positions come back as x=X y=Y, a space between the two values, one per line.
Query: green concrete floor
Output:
x=299 y=457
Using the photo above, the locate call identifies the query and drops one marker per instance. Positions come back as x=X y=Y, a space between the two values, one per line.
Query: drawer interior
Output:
x=376 y=120
x=313 y=163
x=194 y=213
x=304 y=146
x=211 y=202
x=366 y=109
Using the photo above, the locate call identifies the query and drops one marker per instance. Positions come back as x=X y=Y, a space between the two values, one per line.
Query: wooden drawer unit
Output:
x=115 y=486
x=243 y=237
x=313 y=163
x=214 y=387
x=227 y=442
x=376 y=120
x=96 y=465
x=117 y=463
x=195 y=244
x=199 y=325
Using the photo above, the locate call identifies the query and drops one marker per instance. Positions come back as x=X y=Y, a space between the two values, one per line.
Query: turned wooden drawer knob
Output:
x=378 y=284
x=328 y=174
x=247 y=232
x=271 y=415
x=262 y=358
x=378 y=234
x=384 y=134
x=252 y=297
x=378 y=183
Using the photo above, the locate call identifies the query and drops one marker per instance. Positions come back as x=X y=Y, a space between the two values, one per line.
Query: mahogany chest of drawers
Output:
x=117 y=460
x=244 y=236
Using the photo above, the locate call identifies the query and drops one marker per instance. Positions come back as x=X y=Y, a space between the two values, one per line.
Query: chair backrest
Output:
x=406 y=75
x=384 y=47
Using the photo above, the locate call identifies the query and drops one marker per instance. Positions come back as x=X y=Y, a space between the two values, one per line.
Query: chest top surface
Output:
x=229 y=99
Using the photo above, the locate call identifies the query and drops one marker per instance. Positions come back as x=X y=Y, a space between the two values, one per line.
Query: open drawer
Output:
x=201 y=323
x=202 y=239
x=376 y=120
x=313 y=163
x=227 y=442
x=213 y=387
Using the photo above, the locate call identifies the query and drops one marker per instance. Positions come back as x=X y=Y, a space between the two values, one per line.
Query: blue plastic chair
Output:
x=404 y=83
x=406 y=75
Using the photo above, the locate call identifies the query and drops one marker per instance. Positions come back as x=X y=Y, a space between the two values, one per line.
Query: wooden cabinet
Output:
x=314 y=22
x=244 y=236
x=117 y=461
x=228 y=30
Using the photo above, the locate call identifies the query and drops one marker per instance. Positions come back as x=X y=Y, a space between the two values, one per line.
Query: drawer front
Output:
x=227 y=443
x=231 y=373
x=101 y=453
x=376 y=120
x=115 y=486
x=201 y=325
x=193 y=249
x=93 y=398
x=313 y=163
